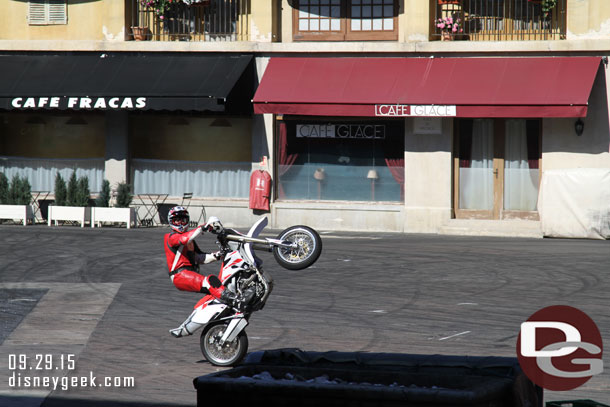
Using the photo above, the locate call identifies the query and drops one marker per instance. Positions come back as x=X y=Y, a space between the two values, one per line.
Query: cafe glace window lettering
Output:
x=65 y=102
x=349 y=161
x=356 y=131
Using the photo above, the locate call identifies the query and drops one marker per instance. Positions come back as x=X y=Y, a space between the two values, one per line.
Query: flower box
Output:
x=123 y=215
x=79 y=214
x=22 y=212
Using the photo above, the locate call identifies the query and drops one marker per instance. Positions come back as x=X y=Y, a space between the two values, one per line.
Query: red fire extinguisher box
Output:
x=260 y=190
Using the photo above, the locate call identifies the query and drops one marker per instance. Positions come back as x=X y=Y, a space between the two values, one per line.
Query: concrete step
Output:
x=502 y=228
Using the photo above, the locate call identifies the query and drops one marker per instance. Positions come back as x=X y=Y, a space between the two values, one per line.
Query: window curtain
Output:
x=397 y=169
x=285 y=160
x=476 y=173
x=520 y=173
x=203 y=179
x=41 y=172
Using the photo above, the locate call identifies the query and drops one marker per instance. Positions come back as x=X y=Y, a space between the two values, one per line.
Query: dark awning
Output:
x=126 y=81
x=461 y=87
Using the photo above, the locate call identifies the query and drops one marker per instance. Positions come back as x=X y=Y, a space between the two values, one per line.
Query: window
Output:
x=345 y=20
x=47 y=12
x=204 y=162
x=497 y=168
x=342 y=160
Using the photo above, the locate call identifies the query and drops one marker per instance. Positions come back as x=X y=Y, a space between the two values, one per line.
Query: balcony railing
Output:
x=503 y=20
x=213 y=20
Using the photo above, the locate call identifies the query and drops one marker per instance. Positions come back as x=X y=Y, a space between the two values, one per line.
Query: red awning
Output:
x=461 y=87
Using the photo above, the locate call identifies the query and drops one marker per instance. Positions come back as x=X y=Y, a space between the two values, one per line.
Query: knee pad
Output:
x=214 y=281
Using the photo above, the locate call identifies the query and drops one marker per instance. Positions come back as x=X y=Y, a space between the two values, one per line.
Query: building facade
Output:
x=415 y=116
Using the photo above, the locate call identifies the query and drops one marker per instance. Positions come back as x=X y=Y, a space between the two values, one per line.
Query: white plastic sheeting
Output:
x=575 y=203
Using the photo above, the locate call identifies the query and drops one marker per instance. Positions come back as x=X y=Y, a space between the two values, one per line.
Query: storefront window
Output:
x=341 y=161
x=174 y=154
x=40 y=145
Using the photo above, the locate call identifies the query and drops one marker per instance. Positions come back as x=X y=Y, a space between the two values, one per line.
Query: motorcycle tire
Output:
x=228 y=354
x=309 y=248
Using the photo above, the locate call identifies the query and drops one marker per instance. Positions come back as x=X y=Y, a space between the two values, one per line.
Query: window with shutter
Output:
x=46 y=12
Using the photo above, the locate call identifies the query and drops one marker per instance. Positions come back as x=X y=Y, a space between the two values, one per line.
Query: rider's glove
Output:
x=212 y=257
x=213 y=225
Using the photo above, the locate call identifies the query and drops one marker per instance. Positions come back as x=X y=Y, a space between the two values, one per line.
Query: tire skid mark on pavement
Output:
x=60 y=324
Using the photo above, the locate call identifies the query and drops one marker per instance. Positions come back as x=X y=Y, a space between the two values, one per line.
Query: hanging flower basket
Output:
x=449 y=1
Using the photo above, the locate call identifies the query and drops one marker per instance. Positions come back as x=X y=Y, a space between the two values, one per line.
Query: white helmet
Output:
x=178 y=218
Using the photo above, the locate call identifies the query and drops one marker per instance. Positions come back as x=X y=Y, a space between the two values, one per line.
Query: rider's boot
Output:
x=187 y=328
x=219 y=291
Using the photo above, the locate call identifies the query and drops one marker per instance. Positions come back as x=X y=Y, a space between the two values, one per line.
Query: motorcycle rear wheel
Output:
x=229 y=354
x=309 y=247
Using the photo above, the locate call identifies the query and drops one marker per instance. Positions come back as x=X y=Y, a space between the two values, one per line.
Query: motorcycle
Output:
x=224 y=341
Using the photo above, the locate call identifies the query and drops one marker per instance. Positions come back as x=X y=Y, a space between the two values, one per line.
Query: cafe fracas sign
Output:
x=80 y=102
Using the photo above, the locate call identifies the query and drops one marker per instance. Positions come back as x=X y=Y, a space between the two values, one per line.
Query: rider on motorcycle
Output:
x=183 y=259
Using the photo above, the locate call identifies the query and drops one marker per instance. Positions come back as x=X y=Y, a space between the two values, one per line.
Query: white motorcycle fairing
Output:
x=205 y=313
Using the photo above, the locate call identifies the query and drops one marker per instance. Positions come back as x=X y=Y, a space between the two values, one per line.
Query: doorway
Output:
x=497 y=168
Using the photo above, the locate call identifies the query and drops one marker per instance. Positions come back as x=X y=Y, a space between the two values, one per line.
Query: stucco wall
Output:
x=428 y=178
x=588 y=19
x=87 y=20
x=561 y=148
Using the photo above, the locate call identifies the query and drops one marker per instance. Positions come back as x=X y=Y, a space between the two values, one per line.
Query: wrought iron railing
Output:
x=502 y=20
x=212 y=20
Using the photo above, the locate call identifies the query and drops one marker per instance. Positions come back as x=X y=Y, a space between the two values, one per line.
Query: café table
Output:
x=150 y=204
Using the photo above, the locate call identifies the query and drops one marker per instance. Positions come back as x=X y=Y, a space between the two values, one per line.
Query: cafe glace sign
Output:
x=341 y=131
x=415 y=110
x=68 y=102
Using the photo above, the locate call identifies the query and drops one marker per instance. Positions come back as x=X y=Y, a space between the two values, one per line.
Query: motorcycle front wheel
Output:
x=228 y=354
x=307 y=250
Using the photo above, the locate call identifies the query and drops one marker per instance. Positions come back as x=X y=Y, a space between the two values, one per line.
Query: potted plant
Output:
x=141 y=33
x=15 y=199
x=71 y=203
x=546 y=5
x=449 y=27
x=121 y=212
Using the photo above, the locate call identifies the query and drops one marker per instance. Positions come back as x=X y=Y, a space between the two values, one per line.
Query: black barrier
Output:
x=163 y=210
x=294 y=377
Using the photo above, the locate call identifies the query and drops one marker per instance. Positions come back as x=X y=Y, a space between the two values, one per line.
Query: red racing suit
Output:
x=183 y=259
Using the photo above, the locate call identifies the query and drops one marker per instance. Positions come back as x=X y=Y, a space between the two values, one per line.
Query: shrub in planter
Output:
x=20 y=191
x=103 y=200
x=124 y=195
x=72 y=190
x=4 y=188
x=78 y=191
x=82 y=192
x=15 y=198
x=71 y=203
x=61 y=192
x=121 y=213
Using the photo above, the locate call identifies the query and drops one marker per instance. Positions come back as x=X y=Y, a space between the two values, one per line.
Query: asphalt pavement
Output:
x=88 y=310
